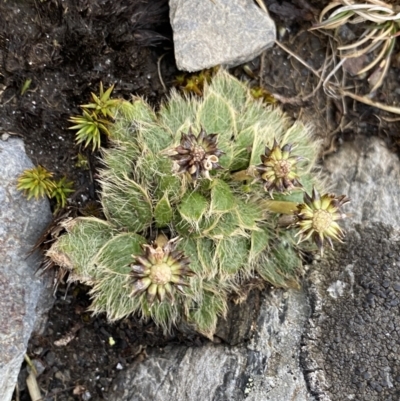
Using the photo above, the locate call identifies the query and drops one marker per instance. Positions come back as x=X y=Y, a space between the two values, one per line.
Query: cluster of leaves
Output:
x=226 y=230
x=381 y=22
x=38 y=182
x=82 y=162
x=194 y=83
x=95 y=119
x=260 y=93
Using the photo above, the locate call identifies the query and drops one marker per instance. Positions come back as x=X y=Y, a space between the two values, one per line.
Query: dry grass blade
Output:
x=352 y=8
x=31 y=382
x=382 y=71
x=379 y=37
x=379 y=15
x=365 y=50
x=379 y=3
x=332 y=23
x=328 y=8
x=299 y=59
x=360 y=42
x=334 y=90
x=379 y=57
x=33 y=388
x=262 y=5
x=370 y=102
x=385 y=33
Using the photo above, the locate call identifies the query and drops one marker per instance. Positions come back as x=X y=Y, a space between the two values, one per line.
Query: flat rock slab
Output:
x=170 y=374
x=369 y=174
x=352 y=342
x=24 y=297
x=218 y=32
x=266 y=368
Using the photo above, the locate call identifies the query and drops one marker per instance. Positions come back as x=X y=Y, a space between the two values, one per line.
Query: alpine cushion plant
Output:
x=190 y=213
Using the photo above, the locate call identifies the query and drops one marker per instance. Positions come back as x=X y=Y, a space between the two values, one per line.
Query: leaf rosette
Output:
x=227 y=223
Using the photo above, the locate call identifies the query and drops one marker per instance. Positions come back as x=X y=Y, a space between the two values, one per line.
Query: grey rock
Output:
x=24 y=297
x=183 y=373
x=352 y=340
x=369 y=173
x=218 y=32
x=352 y=336
x=264 y=368
x=273 y=354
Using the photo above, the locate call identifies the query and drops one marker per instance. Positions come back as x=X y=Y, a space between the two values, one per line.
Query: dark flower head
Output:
x=317 y=218
x=197 y=155
x=159 y=271
x=278 y=170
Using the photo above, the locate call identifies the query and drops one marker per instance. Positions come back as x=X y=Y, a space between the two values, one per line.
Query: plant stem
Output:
x=282 y=207
x=242 y=175
x=30 y=364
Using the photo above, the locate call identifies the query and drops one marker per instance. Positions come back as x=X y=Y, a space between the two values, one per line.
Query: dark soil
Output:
x=66 y=47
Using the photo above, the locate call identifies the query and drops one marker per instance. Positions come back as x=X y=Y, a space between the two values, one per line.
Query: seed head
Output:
x=159 y=271
x=317 y=218
x=197 y=156
x=278 y=170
